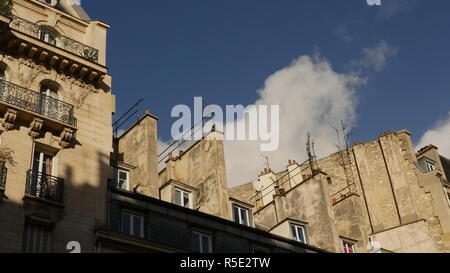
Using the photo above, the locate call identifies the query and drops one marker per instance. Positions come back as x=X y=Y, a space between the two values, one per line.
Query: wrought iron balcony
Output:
x=53 y=38
x=3 y=173
x=37 y=103
x=44 y=186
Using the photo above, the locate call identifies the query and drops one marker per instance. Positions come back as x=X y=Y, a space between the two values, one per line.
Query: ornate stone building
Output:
x=56 y=108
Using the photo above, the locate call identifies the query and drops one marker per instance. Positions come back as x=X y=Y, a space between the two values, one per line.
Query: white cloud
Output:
x=375 y=57
x=438 y=136
x=312 y=98
x=390 y=8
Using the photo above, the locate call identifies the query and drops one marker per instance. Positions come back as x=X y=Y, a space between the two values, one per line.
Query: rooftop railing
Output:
x=53 y=38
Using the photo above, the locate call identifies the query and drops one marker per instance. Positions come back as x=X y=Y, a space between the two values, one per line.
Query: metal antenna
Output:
x=267 y=163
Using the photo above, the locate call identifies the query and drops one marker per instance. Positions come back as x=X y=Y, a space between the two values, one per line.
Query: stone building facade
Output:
x=56 y=136
x=378 y=195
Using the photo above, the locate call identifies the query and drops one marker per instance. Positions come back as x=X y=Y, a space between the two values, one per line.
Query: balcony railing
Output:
x=51 y=37
x=37 y=102
x=44 y=186
x=3 y=174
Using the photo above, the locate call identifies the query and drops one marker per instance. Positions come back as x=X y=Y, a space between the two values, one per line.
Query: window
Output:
x=349 y=247
x=49 y=91
x=132 y=224
x=123 y=179
x=2 y=75
x=35 y=239
x=298 y=233
x=201 y=243
x=183 y=198
x=47 y=36
x=43 y=163
x=430 y=166
x=241 y=215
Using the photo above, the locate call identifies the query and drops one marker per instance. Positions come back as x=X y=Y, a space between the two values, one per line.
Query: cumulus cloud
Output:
x=375 y=57
x=312 y=98
x=438 y=136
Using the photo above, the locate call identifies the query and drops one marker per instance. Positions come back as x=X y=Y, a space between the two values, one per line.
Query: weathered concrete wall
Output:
x=138 y=147
x=307 y=202
x=374 y=187
x=203 y=167
x=411 y=238
x=245 y=193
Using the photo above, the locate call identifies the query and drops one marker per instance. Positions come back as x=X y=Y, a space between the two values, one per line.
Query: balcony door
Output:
x=48 y=101
x=42 y=173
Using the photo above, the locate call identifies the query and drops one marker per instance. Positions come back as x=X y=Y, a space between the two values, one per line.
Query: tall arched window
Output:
x=49 y=91
x=49 y=99
x=48 y=35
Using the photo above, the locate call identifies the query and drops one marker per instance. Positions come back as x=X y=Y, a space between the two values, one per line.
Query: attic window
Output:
x=430 y=166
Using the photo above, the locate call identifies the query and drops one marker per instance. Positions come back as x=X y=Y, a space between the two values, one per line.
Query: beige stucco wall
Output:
x=412 y=238
x=138 y=148
x=203 y=167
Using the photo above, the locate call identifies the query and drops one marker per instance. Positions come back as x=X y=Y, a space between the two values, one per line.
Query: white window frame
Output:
x=131 y=227
x=127 y=182
x=431 y=167
x=182 y=193
x=298 y=228
x=241 y=208
x=346 y=244
x=200 y=236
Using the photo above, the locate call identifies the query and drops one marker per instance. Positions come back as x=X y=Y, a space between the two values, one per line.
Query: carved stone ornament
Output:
x=36 y=127
x=66 y=137
x=9 y=118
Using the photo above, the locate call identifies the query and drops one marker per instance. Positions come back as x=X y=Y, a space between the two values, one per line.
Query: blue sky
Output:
x=167 y=52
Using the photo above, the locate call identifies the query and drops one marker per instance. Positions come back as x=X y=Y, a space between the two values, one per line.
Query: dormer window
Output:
x=298 y=233
x=183 y=198
x=430 y=166
x=241 y=215
x=123 y=179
